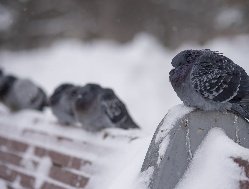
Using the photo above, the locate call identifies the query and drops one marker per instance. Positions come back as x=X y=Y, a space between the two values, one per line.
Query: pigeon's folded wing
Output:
x=114 y=109
x=216 y=78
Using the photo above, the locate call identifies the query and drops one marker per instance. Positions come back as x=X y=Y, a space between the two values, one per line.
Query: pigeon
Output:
x=208 y=80
x=98 y=108
x=1 y=73
x=61 y=103
x=6 y=82
x=87 y=109
x=115 y=111
x=18 y=94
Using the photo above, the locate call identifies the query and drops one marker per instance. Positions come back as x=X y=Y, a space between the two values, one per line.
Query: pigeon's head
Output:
x=182 y=64
x=6 y=83
x=107 y=94
x=86 y=96
x=186 y=57
x=60 y=91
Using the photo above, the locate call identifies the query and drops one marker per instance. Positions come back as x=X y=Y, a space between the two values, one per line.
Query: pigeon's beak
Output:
x=81 y=102
x=172 y=64
x=171 y=73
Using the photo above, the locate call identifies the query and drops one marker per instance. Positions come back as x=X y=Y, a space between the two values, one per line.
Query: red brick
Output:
x=7 y=174
x=11 y=175
x=10 y=158
x=77 y=163
x=59 y=158
x=51 y=186
x=244 y=185
x=13 y=145
x=3 y=141
x=244 y=164
x=26 y=180
x=68 y=177
x=18 y=146
x=40 y=152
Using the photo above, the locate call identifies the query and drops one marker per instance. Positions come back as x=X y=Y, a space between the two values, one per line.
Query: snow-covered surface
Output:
x=2 y=184
x=169 y=120
x=144 y=179
x=213 y=166
x=162 y=139
x=116 y=155
x=138 y=71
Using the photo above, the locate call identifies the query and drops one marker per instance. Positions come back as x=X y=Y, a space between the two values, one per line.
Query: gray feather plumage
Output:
x=61 y=103
x=115 y=110
x=18 y=94
x=99 y=108
x=210 y=81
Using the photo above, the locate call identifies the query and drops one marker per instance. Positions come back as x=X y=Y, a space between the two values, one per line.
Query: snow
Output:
x=16 y=183
x=169 y=120
x=213 y=166
x=2 y=184
x=26 y=159
x=43 y=171
x=138 y=72
x=145 y=178
x=133 y=163
x=117 y=155
x=162 y=149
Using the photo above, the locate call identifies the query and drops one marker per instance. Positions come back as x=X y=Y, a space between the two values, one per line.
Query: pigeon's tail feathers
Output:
x=128 y=124
x=241 y=110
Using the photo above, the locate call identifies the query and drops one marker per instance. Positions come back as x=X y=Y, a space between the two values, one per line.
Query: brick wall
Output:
x=22 y=165
x=37 y=153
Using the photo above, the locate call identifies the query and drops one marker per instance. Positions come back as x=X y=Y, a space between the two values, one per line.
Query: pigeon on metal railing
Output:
x=208 y=80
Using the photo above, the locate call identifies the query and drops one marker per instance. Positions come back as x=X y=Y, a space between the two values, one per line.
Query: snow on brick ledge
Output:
x=192 y=149
x=36 y=153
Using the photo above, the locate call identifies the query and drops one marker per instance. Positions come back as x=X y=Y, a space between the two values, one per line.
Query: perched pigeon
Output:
x=61 y=103
x=18 y=94
x=208 y=80
x=6 y=82
x=114 y=109
x=87 y=109
x=98 y=108
x=1 y=73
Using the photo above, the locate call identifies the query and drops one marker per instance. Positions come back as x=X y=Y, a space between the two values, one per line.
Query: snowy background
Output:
x=137 y=71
